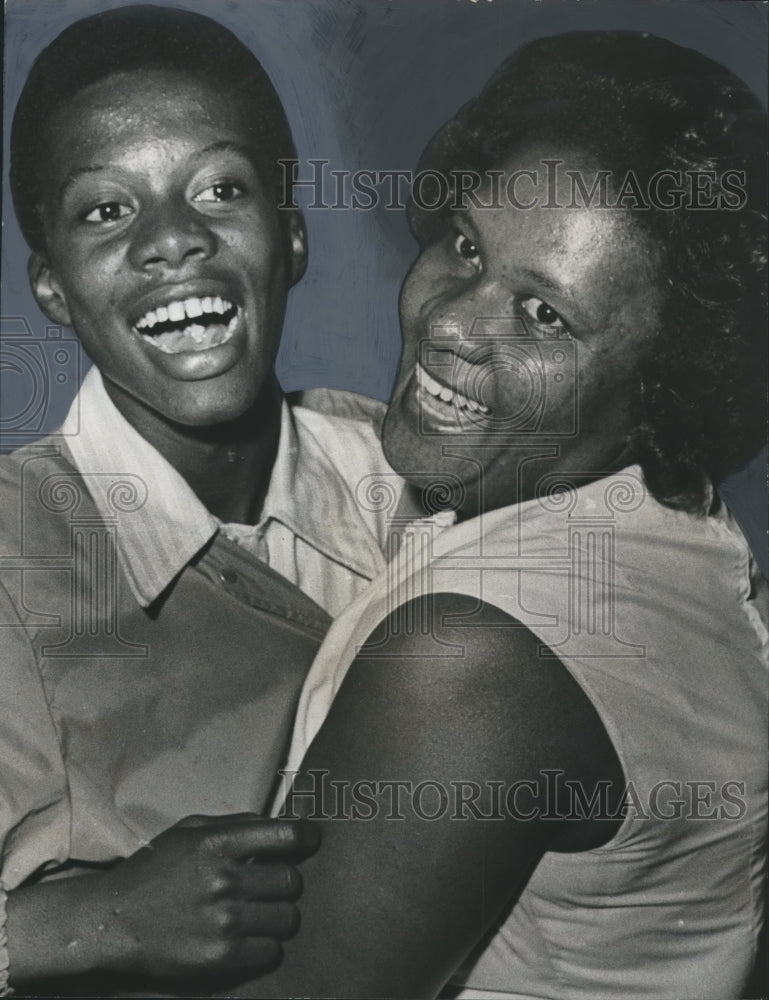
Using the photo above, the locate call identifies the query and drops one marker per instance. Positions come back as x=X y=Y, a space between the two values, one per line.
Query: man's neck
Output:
x=227 y=466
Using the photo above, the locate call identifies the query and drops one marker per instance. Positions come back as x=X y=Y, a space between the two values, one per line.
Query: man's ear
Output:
x=47 y=290
x=296 y=234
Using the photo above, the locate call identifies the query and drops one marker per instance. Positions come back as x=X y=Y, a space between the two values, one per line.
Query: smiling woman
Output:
x=630 y=106
x=476 y=322
x=536 y=747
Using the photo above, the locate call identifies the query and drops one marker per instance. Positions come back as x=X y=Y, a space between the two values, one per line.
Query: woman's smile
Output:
x=523 y=328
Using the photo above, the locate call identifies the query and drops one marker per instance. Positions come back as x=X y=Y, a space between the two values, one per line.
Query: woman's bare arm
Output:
x=395 y=900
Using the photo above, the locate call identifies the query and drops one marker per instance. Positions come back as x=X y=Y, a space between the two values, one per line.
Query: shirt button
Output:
x=228 y=576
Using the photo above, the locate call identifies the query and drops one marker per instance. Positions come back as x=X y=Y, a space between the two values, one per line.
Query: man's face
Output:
x=523 y=334
x=164 y=251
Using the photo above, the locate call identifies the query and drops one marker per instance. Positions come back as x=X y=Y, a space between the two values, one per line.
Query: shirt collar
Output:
x=309 y=495
x=160 y=523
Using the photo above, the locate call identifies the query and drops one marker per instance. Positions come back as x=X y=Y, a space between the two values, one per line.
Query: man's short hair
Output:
x=124 y=40
x=642 y=104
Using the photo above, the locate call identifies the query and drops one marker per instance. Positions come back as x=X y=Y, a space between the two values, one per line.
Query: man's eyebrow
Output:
x=223 y=145
x=74 y=175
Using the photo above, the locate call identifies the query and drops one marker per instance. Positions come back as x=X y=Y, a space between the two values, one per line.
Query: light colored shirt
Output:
x=313 y=529
x=149 y=663
x=661 y=617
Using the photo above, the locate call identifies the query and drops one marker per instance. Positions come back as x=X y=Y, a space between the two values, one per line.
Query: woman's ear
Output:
x=47 y=290
x=296 y=233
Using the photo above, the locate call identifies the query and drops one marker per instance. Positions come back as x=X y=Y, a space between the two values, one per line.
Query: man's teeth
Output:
x=176 y=312
x=193 y=324
x=442 y=392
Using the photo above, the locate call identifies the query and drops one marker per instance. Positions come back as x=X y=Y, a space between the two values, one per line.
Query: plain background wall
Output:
x=364 y=83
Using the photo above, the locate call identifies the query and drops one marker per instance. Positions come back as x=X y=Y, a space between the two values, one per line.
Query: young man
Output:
x=154 y=637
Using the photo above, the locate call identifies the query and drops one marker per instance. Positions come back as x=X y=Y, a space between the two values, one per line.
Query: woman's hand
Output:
x=209 y=895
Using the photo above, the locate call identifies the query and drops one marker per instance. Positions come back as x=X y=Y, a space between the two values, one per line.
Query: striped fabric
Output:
x=312 y=530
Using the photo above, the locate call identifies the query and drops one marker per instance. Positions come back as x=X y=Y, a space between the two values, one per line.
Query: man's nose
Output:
x=169 y=236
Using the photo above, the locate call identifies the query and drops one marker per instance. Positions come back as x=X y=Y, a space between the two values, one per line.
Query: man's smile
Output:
x=190 y=324
x=166 y=251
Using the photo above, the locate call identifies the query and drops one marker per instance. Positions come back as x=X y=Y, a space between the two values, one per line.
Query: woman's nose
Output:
x=465 y=315
x=171 y=235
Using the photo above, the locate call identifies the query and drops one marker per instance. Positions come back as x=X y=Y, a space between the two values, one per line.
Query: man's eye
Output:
x=222 y=191
x=465 y=247
x=109 y=211
x=542 y=313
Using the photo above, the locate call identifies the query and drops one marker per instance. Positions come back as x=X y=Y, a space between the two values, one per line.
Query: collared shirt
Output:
x=316 y=528
x=151 y=658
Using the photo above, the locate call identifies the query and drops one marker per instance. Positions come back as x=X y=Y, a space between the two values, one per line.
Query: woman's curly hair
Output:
x=644 y=105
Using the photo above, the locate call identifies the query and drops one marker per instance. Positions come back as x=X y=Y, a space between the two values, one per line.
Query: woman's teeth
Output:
x=446 y=395
x=192 y=324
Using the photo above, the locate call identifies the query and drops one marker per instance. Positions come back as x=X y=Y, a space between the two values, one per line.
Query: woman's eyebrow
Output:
x=541 y=279
x=538 y=278
x=464 y=216
x=563 y=296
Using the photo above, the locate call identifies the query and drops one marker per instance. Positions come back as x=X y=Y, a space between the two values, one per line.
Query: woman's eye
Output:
x=466 y=249
x=109 y=211
x=222 y=191
x=543 y=314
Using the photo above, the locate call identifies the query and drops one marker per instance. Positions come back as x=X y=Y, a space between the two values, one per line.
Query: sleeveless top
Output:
x=661 y=618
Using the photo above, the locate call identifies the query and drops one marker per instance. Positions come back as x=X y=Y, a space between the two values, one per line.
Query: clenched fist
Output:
x=209 y=894
x=208 y=897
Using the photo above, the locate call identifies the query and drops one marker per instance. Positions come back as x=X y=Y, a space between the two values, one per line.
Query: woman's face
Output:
x=523 y=332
